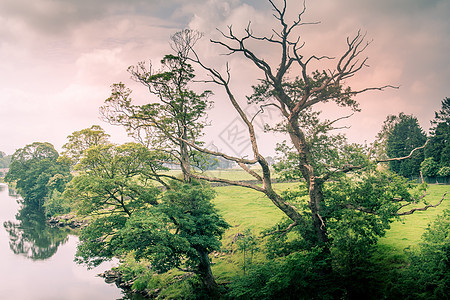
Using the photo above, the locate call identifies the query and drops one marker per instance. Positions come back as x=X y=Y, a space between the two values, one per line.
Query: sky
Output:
x=59 y=58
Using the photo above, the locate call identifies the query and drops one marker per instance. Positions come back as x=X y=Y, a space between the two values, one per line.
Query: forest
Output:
x=190 y=222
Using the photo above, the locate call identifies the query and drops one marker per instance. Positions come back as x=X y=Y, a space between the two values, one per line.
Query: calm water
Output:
x=36 y=261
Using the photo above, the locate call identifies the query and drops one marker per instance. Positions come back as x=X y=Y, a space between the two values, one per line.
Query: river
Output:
x=36 y=261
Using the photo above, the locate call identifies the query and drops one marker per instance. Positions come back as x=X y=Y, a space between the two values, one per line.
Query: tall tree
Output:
x=33 y=168
x=176 y=118
x=313 y=152
x=438 y=148
x=405 y=135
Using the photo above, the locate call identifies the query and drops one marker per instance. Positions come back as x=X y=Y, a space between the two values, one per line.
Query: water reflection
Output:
x=31 y=236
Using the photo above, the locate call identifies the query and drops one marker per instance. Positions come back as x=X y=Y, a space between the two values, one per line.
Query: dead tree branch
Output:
x=409 y=212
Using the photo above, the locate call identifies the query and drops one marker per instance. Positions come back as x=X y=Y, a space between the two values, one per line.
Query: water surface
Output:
x=36 y=261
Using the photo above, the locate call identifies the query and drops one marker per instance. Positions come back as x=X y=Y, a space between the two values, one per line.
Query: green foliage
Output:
x=179 y=114
x=80 y=141
x=327 y=151
x=177 y=230
x=404 y=134
x=5 y=160
x=182 y=226
x=131 y=269
x=296 y=276
x=295 y=89
x=428 y=275
x=37 y=172
x=438 y=147
x=56 y=204
x=358 y=210
x=429 y=167
x=114 y=176
x=444 y=171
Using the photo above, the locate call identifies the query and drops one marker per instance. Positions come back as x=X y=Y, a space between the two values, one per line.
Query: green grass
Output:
x=244 y=208
x=407 y=231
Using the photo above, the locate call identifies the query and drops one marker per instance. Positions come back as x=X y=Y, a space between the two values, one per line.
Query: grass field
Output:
x=244 y=208
x=407 y=231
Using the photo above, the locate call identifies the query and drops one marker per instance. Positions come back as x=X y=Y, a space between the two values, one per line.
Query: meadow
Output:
x=247 y=209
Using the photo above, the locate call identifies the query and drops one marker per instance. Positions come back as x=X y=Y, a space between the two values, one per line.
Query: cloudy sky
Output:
x=58 y=58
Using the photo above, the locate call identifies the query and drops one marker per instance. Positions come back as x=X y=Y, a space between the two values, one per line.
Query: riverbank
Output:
x=69 y=220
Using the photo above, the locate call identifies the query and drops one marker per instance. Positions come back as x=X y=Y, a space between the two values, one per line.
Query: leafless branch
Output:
x=409 y=212
x=229 y=182
x=405 y=157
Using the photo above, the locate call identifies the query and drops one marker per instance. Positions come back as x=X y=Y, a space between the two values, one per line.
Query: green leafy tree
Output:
x=429 y=167
x=114 y=185
x=169 y=124
x=438 y=147
x=404 y=136
x=179 y=233
x=114 y=176
x=80 y=141
x=33 y=168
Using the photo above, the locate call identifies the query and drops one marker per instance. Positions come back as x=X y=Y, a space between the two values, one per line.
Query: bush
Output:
x=444 y=172
x=428 y=275
x=429 y=167
x=296 y=276
x=56 y=204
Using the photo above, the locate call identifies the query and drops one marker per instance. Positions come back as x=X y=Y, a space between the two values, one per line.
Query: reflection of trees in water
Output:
x=31 y=236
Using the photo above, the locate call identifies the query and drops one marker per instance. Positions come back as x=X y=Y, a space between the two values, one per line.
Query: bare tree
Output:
x=295 y=99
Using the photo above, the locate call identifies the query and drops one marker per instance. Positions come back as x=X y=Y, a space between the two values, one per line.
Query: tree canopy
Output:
x=177 y=228
x=404 y=135
x=80 y=141
x=37 y=171
x=437 y=150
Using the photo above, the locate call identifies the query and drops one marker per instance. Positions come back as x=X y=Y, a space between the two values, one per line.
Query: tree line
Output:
x=343 y=202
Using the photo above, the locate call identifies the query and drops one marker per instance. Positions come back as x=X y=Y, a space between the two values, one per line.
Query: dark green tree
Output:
x=438 y=147
x=180 y=232
x=33 y=168
x=404 y=136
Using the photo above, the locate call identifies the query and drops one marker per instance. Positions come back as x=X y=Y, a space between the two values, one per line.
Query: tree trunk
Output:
x=314 y=184
x=185 y=162
x=205 y=273
x=315 y=204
